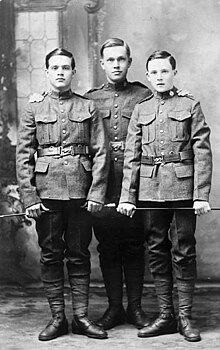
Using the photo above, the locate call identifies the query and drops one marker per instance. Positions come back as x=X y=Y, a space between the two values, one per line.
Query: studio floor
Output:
x=24 y=313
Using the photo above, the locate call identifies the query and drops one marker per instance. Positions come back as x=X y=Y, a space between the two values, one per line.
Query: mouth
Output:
x=60 y=79
x=160 y=84
x=116 y=72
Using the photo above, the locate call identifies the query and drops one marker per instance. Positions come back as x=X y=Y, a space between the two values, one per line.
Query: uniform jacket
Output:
x=167 y=126
x=116 y=103
x=58 y=122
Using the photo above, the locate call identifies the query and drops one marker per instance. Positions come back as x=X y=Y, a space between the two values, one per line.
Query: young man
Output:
x=121 y=240
x=67 y=175
x=168 y=167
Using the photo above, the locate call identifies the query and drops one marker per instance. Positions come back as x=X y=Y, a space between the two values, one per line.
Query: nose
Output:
x=116 y=63
x=159 y=76
x=60 y=71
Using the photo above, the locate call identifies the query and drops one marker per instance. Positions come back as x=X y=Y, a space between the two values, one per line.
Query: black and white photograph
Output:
x=109 y=174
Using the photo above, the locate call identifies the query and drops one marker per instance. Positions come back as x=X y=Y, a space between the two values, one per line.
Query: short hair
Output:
x=59 y=52
x=161 y=54
x=115 y=42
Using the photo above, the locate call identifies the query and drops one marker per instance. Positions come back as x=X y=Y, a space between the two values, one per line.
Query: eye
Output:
x=165 y=71
x=66 y=68
x=54 y=67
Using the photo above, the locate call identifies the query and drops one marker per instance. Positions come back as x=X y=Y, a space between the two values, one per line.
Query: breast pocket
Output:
x=47 y=129
x=80 y=127
x=105 y=113
x=179 y=125
x=126 y=116
x=147 y=122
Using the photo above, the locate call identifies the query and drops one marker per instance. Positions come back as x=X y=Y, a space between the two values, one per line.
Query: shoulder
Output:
x=146 y=99
x=186 y=102
x=37 y=97
x=94 y=89
x=140 y=89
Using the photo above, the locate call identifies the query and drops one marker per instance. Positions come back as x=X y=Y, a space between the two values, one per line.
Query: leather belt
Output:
x=167 y=158
x=117 y=145
x=63 y=151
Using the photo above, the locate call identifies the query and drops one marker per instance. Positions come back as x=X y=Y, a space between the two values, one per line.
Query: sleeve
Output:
x=132 y=161
x=200 y=138
x=100 y=157
x=25 y=161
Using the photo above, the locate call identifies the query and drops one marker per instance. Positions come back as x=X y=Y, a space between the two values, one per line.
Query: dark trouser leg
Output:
x=184 y=261
x=107 y=233
x=157 y=225
x=50 y=230
x=133 y=257
x=78 y=236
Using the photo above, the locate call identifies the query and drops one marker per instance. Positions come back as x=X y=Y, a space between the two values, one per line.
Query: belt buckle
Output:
x=65 y=151
x=117 y=145
x=158 y=160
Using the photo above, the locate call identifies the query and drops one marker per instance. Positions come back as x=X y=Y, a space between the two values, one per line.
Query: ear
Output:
x=129 y=62
x=148 y=76
x=175 y=72
x=73 y=72
x=102 y=63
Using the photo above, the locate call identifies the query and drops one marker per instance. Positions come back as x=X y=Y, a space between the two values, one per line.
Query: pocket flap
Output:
x=179 y=115
x=46 y=118
x=86 y=164
x=146 y=170
x=105 y=112
x=79 y=117
x=184 y=171
x=126 y=113
x=41 y=167
x=146 y=119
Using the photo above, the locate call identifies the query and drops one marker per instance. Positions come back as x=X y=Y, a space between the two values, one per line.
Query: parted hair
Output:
x=115 y=42
x=59 y=52
x=158 y=54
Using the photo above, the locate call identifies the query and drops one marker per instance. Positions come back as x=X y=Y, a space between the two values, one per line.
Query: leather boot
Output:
x=188 y=330
x=166 y=322
x=115 y=313
x=185 y=292
x=134 y=287
x=80 y=297
x=82 y=325
x=58 y=325
x=112 y=317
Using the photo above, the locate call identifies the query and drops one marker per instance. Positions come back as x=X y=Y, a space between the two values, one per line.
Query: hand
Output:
x=201 y=207
x=126 y=209
x=94 y=207
x=184 y=92
x=35 y=210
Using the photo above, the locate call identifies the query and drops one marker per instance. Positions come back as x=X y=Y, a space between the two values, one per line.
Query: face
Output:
x=160 y=74
x=60 y=73
x=115 y=63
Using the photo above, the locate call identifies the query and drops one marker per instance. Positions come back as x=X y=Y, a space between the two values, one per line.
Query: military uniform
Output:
x=62 y=162
x=121 y=241
x=168 y=164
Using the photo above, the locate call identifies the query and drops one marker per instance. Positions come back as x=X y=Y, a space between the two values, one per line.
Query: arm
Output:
x=25 y=162
x=200 y=134
x=132 y=162
x=100 y=164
